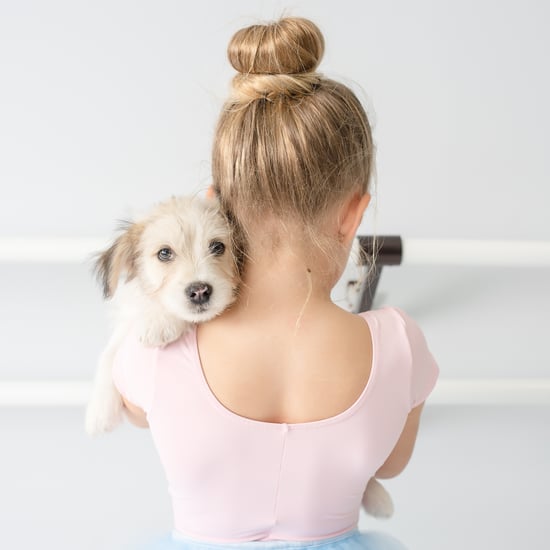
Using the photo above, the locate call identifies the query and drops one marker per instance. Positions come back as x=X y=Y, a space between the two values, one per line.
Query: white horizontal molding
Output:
x=491 y=391
x=473 y=252
x=504 y=391
x=465 y=252
x=37 y=393
x=50 y=251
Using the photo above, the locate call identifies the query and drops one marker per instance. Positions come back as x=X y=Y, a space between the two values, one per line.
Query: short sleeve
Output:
x=424 y=370
x=134 y=372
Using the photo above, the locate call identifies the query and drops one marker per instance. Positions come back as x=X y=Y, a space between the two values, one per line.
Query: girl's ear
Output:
x=210 y=193
x=351 y=215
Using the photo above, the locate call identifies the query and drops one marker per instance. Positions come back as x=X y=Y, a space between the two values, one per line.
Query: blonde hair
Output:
x=290 y=143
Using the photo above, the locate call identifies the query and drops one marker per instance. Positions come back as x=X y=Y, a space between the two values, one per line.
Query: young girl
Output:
x=270 y=419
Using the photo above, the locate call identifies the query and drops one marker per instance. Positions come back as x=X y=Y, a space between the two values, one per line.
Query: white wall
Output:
x=106 y=107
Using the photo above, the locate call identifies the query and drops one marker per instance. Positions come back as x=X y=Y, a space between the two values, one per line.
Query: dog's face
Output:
x=179 y=255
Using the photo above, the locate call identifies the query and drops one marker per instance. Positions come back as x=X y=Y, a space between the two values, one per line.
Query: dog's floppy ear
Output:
x=120 y=258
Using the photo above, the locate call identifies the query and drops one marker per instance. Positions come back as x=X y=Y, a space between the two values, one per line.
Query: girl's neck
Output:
x=285 y=282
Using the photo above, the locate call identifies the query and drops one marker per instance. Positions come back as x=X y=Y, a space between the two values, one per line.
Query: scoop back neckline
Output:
x=349 y=411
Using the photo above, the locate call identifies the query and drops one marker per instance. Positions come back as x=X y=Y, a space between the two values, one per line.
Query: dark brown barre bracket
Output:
x=386 y=250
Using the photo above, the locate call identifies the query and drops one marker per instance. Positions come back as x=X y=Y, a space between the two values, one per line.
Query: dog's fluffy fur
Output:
x=168 y=270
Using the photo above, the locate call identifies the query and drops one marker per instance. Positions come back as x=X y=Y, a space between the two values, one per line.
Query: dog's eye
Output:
x=165 y=254
x=217 y=248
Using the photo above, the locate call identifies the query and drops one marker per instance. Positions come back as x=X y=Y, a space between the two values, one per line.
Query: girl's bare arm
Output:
x=402 y=451
x=135 y=414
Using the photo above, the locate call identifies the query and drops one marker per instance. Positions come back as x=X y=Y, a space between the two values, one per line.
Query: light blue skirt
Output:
x=352 y=540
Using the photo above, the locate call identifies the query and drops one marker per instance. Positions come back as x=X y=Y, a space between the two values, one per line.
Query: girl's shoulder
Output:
x=387 y=314
x=398 y=339
x=393 y=323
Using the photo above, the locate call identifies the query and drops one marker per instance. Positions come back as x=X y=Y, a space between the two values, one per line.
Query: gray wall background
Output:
x=107 y=107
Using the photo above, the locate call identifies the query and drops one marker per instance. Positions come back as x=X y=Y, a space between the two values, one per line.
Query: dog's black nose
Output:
x=198 y=293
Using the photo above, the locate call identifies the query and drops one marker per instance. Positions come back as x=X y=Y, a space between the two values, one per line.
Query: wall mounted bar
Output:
x=49 y=251
x=394 y=250
x=465 y=252
x=468 y=391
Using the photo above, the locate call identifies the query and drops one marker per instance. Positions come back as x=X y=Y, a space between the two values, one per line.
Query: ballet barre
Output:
x=460 y=392
x=402 y=251
x=387 y=250
x=64 y=250
x=464 y=252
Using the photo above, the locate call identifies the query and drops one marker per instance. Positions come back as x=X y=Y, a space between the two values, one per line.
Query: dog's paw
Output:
x=377 y=501
x=104 y=415
x=160 y=333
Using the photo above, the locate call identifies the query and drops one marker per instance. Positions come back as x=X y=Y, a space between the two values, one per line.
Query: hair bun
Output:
x=290 y=46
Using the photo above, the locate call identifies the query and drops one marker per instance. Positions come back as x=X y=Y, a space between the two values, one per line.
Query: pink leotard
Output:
x=233 y=479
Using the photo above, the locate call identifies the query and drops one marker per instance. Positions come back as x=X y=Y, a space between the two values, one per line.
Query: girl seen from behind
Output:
x=271 y=418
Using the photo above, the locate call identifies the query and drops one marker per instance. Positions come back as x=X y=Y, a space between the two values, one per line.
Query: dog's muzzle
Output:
x=199 y=293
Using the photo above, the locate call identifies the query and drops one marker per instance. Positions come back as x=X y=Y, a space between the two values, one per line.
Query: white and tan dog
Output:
x=172 y=268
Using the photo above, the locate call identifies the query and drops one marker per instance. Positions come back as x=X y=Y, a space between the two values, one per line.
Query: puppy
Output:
x=165 y=272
